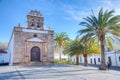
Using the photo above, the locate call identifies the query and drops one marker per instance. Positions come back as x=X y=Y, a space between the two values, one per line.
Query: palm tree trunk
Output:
x=85 y=60
x=77 y=60
x=60 y=55
x=103 y=62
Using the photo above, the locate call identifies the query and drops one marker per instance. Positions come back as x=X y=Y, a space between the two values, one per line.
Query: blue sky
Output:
x=59 y=15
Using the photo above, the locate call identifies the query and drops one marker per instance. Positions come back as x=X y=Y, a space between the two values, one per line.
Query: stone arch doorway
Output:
x=35 y=54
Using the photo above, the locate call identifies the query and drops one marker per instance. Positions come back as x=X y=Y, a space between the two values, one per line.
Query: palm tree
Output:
x=90 y=47
x=60 y=41
x=73 y=48
x=77 y=48
x=99 y=27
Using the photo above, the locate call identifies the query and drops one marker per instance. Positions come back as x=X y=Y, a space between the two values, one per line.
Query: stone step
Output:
x=33 y=64
x=36 y=63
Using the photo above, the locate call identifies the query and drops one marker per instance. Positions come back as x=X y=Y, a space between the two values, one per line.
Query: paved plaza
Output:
x=56 y=72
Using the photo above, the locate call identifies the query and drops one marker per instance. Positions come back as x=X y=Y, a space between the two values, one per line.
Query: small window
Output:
x=119 y=58
x=91 y=61
x=98 y=59
x=94 y=61
x=35 y=35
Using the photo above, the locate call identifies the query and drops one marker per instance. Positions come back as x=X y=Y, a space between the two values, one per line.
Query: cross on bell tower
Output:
x=35 y=20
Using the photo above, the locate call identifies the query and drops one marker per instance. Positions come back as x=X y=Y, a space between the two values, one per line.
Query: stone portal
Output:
x=35 y=54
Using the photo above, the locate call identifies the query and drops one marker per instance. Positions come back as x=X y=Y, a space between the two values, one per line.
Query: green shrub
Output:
x=56 y=61
x=71 y=62
x=63 y=61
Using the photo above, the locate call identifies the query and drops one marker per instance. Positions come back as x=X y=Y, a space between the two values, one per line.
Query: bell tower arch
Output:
x=35 y=20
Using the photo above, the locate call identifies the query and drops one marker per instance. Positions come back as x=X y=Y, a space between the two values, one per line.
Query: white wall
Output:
x=81 y=59
x=114 y=55
x=118 y=59
x=94 y=59
x=56 y=56
x=11 y=50
x=4 y=58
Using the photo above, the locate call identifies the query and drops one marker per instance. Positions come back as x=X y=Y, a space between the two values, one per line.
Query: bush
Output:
x=64 y=61
x=71 y=62
x=56 y=61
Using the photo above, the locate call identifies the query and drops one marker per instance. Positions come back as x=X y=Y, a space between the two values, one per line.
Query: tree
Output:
x=73 y=48
x=99 y=27
x=90 y=47
x=77 y=48
x=60 y=41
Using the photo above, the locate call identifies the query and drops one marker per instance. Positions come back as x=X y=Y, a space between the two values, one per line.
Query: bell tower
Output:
x=35 y=20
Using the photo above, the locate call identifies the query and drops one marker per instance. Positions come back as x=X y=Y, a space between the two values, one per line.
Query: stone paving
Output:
x=56 y=72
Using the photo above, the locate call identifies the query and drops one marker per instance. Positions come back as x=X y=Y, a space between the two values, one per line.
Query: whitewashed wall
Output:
x=114 y=55
x=93 y=59
x=81 y=59
x=4 y=58
x=56 y=56
x=118 y=59
x=11 y=50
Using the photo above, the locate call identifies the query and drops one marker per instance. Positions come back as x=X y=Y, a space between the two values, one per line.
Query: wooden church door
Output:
x=35 y=54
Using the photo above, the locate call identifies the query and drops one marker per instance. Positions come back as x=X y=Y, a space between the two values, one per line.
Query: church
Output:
x=31 y=44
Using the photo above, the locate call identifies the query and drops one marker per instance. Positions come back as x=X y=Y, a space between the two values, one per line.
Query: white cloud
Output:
x=107 y=2
x=75 y=14
x=110 y=4
x=117 y=11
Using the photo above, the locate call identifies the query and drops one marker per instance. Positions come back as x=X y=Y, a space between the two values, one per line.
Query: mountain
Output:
x=3 y=45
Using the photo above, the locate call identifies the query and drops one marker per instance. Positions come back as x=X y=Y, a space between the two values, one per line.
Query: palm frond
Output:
x=109 y=43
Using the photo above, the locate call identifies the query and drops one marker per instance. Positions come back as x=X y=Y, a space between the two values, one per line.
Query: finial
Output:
x=18 y=24
x=49 y=28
